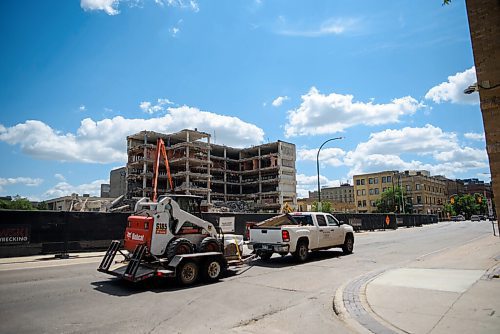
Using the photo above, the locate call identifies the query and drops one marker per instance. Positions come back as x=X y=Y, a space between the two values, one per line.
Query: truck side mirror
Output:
x=341 y=222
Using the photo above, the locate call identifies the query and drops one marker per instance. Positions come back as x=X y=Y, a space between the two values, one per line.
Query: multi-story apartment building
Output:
x=453 y=187
x=424 y=193
x=341 y=198
x=369 y=187
x=262 y=176
x=342 y=194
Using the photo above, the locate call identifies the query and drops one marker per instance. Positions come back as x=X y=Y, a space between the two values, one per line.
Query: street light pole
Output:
x=317 y=168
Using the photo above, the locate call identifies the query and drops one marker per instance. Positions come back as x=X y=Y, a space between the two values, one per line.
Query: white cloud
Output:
x=82 y=108
x=60 y=177
x=388 y=149
x=383 y=151
x=27 y=181
x=327 y=114
x=475 y=136
x=174 y=31
x=310 y=183
x=149 y=108
x=104 y=141
x=65 y=189
x=453 y=89
x=108 y=6
x=183 y=4
x=328 y=27
x=328 y=156
x=279 y=101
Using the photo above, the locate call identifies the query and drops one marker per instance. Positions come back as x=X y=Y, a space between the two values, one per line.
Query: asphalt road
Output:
x=70 y=296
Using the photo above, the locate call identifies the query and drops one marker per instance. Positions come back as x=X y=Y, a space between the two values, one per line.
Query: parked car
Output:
x=458 y=218
x=475 y=218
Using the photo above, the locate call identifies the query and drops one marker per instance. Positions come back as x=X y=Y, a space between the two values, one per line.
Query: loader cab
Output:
x=188 y=203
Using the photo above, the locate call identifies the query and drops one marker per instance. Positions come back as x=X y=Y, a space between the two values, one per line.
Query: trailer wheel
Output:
x=187 y=273
x=210 y=244
x=179 y=246
x=212 y=270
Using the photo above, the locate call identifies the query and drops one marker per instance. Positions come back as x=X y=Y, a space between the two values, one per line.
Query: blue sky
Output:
x=77 y=77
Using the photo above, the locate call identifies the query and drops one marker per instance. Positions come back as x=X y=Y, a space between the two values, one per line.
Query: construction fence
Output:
x=25 y=233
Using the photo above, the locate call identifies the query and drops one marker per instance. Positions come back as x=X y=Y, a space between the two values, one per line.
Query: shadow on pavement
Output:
x=289 y=260
x=121 y=288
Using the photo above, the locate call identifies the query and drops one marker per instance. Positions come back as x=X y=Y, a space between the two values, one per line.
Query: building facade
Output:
x=118 y=182
x=369 y=187
x=484 y=25
x=423 y=193
x=263 y=176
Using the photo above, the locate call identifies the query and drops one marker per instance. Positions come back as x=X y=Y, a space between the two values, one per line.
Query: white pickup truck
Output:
x=299 y=232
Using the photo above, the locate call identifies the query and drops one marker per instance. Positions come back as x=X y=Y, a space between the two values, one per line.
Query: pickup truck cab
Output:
x=299 y=232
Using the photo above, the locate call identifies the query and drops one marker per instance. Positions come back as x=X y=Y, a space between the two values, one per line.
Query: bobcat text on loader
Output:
x=167 y=238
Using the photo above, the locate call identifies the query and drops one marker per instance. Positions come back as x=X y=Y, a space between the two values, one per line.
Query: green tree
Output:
x=449 y=210
x=469 y=205
x=325 y=206
x=17 y=203
x=391 y=201
x=42 y=206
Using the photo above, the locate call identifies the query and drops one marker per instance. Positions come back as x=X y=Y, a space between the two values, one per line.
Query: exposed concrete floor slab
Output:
x=451 y=280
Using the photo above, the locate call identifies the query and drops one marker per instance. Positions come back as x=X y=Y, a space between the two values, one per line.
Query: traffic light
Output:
x=479 y=199
x=452 y=200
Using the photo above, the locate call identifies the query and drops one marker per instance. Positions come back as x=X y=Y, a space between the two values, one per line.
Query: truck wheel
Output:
x=265 y=256
x=187 y=273
x=179 y=246
x=212 y=270
x=210 y=244
x=348 y=244
x=302 y=252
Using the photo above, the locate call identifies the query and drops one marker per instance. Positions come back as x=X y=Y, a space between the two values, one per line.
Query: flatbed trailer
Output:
x=186 y=268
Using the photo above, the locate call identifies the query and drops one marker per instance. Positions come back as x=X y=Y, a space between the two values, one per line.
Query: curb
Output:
x=343 y=314
x=362 y=319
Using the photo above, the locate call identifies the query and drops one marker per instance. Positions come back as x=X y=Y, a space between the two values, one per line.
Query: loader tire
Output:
x=179 y=246
x=210 y=244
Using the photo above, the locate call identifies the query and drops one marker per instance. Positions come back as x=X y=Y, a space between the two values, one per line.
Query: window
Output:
x=417 y=186
x=384 y=190
x=375 y=180
x=370 y=180
x=377 y=190
x=332 y=220
x=373 y=204
x=408 y=188
x=364 y=203
x=363 y=192
x=358 y=182
x=419 y=199
x=359 y=203
x=321 y=220
x=358 y=192
x=371 y=192
x=384 y=179
x=389 y=179
x=362 y=181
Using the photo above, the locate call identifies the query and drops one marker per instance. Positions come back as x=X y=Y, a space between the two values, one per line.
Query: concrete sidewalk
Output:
x=449 y=291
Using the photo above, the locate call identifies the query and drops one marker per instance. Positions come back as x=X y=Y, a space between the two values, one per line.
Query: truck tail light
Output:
x=285 y=235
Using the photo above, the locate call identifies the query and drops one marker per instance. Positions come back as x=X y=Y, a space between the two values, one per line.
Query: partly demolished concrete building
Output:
x=260 y=178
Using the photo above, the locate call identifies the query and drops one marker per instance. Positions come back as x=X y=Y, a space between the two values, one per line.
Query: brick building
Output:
x=484 y=25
